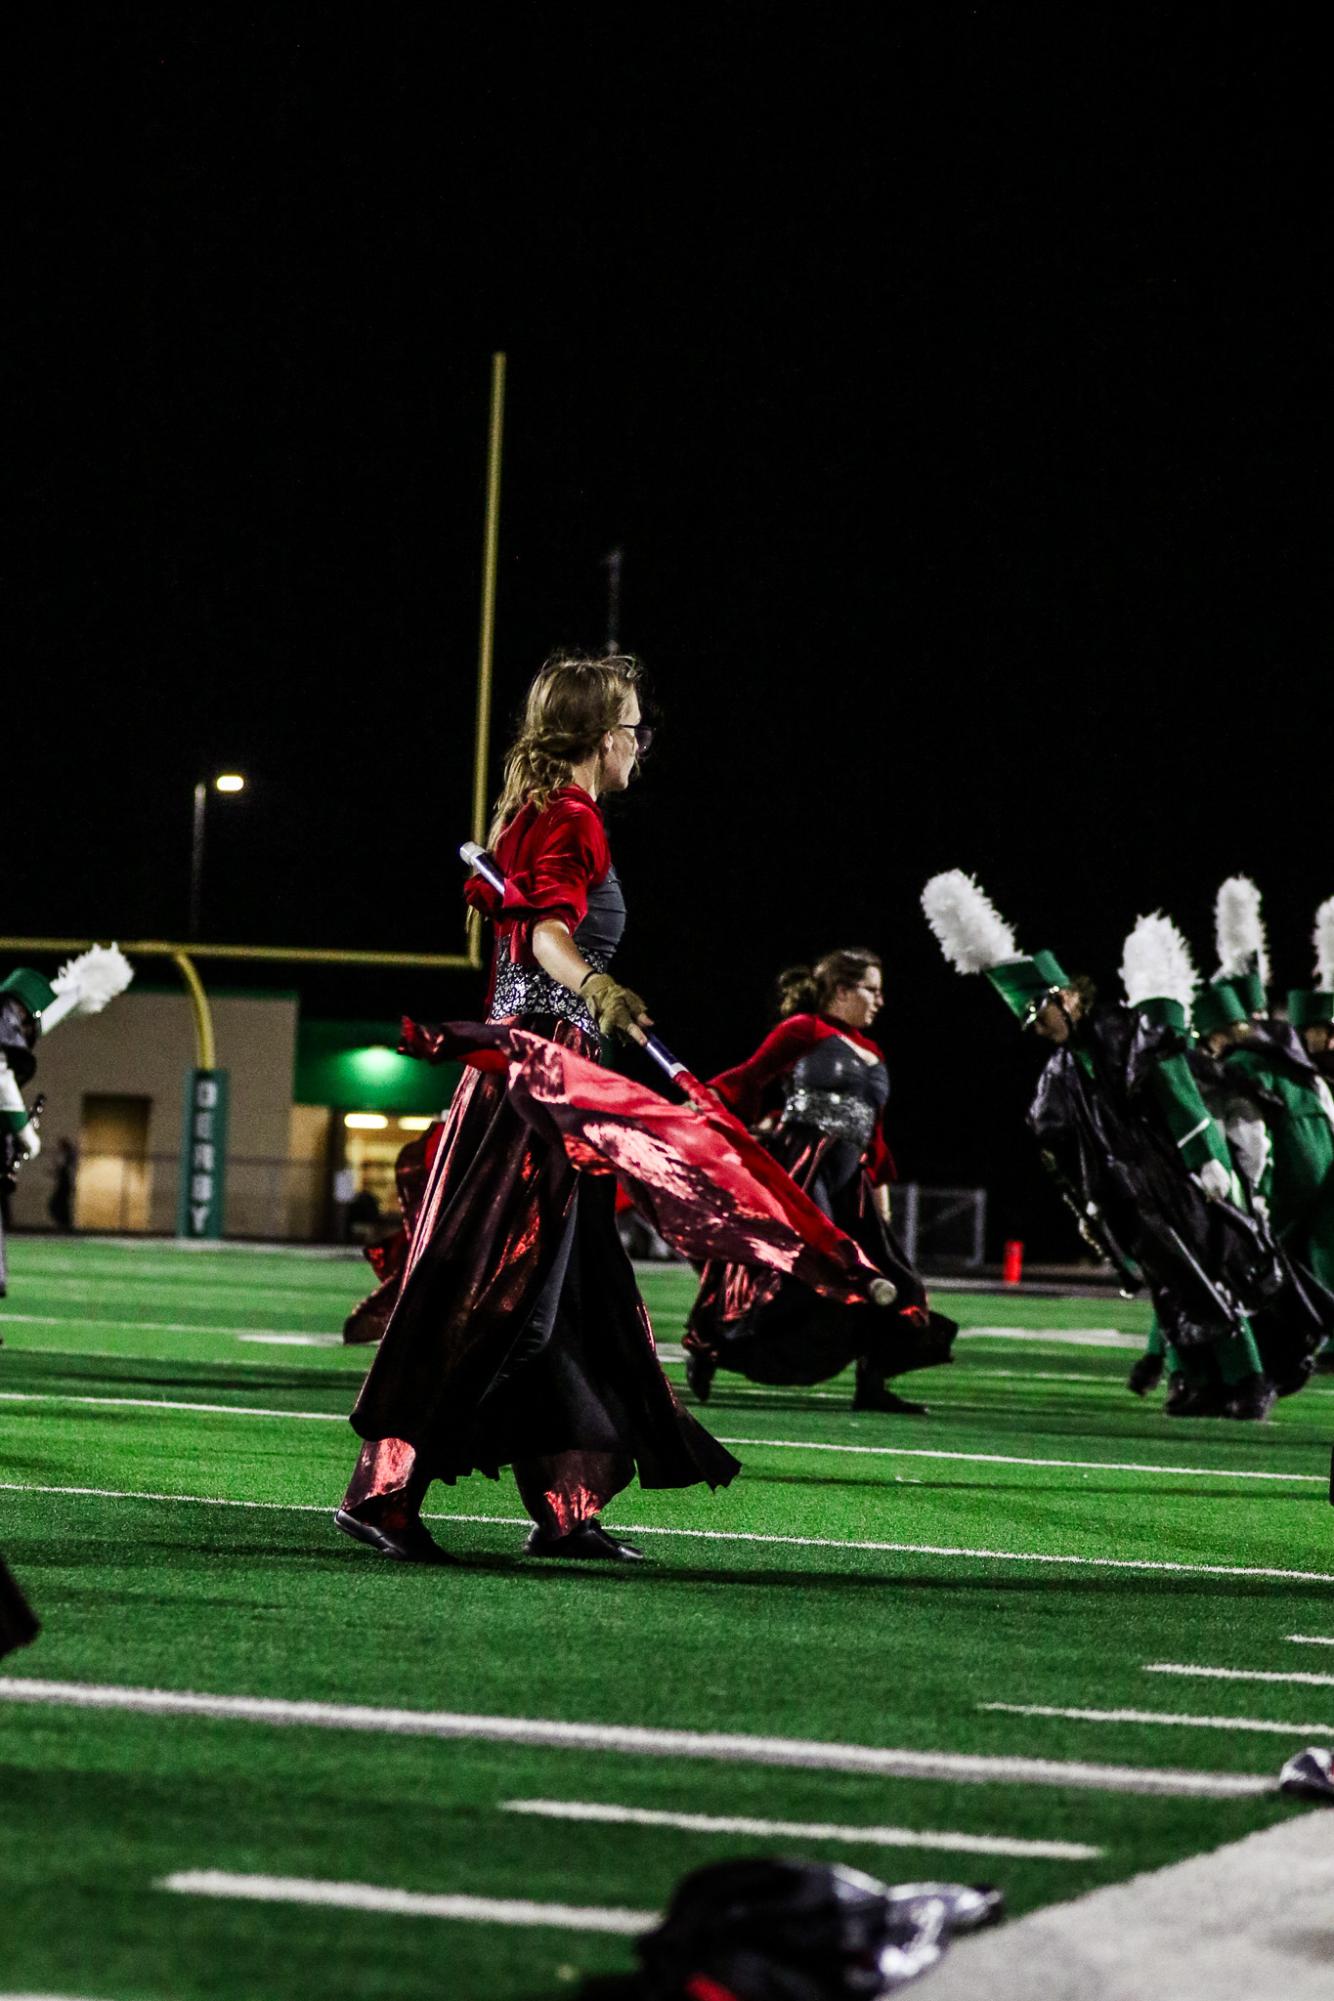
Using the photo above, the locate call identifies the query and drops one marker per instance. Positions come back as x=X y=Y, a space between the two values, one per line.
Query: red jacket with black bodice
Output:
x=748 y=1089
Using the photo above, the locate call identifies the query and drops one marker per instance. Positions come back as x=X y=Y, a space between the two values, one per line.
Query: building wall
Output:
x=141 y=1047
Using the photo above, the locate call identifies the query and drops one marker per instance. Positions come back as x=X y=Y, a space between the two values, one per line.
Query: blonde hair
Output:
x=809 y=989
x=572 y=703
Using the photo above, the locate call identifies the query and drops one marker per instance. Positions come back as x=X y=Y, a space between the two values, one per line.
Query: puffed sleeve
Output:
x=742 y=1089
x=550 y=863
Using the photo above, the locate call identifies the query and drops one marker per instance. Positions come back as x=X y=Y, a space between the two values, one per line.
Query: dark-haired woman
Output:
x=519 y=1337
x=820 y=1083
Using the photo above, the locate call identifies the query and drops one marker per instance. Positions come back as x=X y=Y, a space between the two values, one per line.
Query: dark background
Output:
x=949 y=377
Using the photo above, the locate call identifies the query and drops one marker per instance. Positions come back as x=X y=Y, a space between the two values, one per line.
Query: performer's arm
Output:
x=742 y=1089
x=14 y=1115
x=1198 y=1136
x=615 y=1008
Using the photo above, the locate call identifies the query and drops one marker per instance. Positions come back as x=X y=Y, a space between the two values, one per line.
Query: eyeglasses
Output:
x=642 y=733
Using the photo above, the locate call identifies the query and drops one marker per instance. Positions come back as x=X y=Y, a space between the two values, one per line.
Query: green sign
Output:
x=203 y=1155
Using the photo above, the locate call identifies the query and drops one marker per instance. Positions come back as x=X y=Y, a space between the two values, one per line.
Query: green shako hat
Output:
x=1243 y=947
x=1220 y=1005
x=1163 y=1011
x=33 y=989
x=1308 y=1007
x=1158 y=973
x=1250 y=990
x=1023 y=984
x=976 y=939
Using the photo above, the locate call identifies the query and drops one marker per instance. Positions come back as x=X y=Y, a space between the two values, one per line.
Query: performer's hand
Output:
x=1215 y=1180
x=616 y=1009
x=29 y=1140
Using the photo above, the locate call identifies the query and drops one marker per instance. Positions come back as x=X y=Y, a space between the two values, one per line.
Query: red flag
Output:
x=707 y=1186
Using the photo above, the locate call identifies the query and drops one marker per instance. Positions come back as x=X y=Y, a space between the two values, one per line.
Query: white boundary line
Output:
x=164 y=1403
x=778 y=1444
x=1156 y=1564
x=1311 y=1639
x=636 y=1740
x=803 y=1830
x=1250 y=1723
x=1067 y=1337
x=1298 y=1676
x=406 y=1903
x=143 y=1326
x=1010 y=1459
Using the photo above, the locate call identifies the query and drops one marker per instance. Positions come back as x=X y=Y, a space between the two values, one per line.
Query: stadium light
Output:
x=415 y=1125
x=365 y=1122
x=227 y=782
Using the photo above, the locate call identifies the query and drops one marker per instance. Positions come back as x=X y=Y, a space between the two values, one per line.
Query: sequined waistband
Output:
x=837 y=1113
x=528 y=990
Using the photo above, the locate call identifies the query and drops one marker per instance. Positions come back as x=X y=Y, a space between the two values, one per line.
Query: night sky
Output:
x=951 y=378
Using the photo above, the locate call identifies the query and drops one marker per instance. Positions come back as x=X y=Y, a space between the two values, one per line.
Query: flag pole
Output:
x=487 y=633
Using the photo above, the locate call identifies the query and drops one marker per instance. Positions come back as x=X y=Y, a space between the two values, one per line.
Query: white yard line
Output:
x=1012 y=1459
x=1156 y=1564
x=803 y=1830
x=267 y=1340
x=1296 y=1675
x=1311 y=1639
x=153 y=1326
x=635 y=1740
x=89 y=1287
x=1067 y=1337
x=1263 y=1724
x=407 y=1903
x=166 y=1403
x=775 y=1444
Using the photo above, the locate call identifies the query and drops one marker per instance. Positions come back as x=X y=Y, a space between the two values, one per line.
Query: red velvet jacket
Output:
x=747 y=1089
x=551 y=858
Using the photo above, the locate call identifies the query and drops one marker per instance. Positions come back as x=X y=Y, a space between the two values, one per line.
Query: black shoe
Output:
x=869 y=1393
x=1251 y=1400
x=1145 y=1375
x=874 y=1396
x=1200 y=1400
x=413 y=1543
x=589 y=1541
x=701 y=1368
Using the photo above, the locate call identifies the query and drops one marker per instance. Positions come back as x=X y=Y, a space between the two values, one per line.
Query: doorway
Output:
x=115 y=1182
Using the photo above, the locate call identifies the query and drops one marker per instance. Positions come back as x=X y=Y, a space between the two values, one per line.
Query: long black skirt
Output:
x=771 y=1329
x=519 y=1337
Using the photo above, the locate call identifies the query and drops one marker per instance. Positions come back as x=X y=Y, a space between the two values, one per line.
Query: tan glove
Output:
x=615 y=1008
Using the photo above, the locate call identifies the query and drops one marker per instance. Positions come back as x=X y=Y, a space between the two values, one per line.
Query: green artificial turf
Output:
x=796 y=1635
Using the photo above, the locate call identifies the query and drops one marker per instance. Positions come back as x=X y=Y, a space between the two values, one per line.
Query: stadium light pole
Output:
x=225 y=782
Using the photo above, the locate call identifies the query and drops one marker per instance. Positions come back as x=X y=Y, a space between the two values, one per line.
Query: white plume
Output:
x=1156 y=963
x=1324 y=945
x=969 y=929
x=94 y=978
x=1239 y=930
